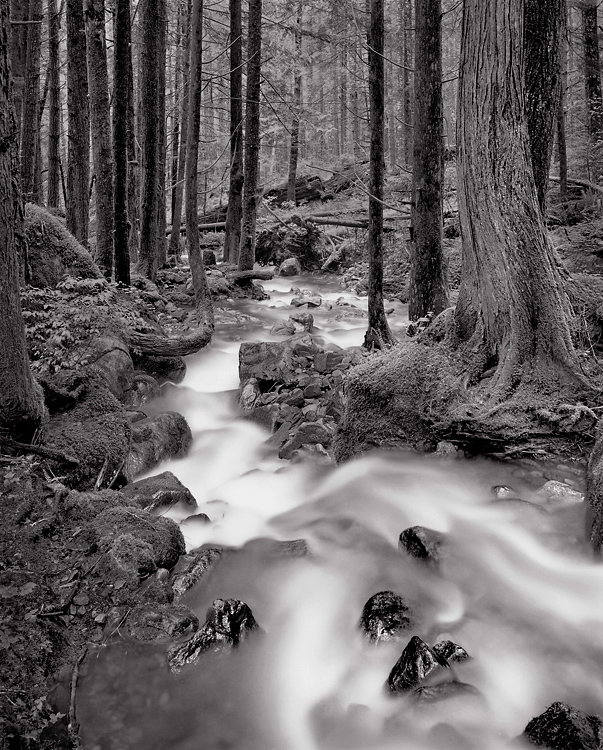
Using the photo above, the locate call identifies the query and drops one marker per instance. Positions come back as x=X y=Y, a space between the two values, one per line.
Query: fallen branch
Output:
x=202 y=228
x=242 y=277
x=353 y=224
x=39 y=450
x=581 y=183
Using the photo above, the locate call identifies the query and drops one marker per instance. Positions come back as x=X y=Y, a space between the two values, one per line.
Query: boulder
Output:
x=143 y=388
x=160 y=622
x=557 y=495
x=192 y=568
x=308 y=433
x=163 y=369
x=418 y=666
x=429 y=694
x=283 y=328
x=385 y=617
x=451 y=651
x=269 y=362
x=250 y=394
x=228 y=623
x=109 y=359
x=52 y=252
x=290 y=267
x=304 y=319
x=422 y=544
x=306 y=297
x=159 y=491
x=562 y=727
x=157 y=439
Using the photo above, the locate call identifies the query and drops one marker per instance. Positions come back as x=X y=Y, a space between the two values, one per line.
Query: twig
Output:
x=73 y=725
x=39 y=451
x=101 y=475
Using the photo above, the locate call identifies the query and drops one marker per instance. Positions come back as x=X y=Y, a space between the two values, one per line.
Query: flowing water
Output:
x=517 y=589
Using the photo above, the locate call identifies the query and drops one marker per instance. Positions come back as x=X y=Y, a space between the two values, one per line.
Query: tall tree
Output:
x=100 y=125
x=234 y=214
x=31 y=103
x=427 y=284
x=542 y=33
x=592 y=69
x=378 y=333
x=512 y=311
x=19 y=14
x=406 y=63
x=120 y=140
x=252 y=136
x=21 y=403
x=561 y=118
x=78 y=115
x=297 y=105
x=54 y=105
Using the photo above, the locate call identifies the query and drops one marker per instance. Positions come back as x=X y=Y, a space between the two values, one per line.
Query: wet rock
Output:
x=290 y=267
x=159 y=491
x=446 y=448
x=228 y=623
x=305 y=347
x=306 y=320
x=250 y=394
x=257 y=291
x=385 y=616
x=143 y=388
x=293 y=398
x=283 y=328
x=156 y=439
x=197 y=520
x=422 y=543
x=451 y=651
x=503 y=492
x=268 y=362
x=160 y=622
x=557 y=495
x=192 y=568
x=163 y=369
x=562 y=727
x=312 y=390
x=308 y=433
x=157 y=588
x=306 y=297
x=265 y=416
x=418 y=666
x=430 y=694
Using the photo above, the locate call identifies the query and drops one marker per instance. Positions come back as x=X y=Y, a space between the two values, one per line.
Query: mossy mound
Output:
x=53 y=252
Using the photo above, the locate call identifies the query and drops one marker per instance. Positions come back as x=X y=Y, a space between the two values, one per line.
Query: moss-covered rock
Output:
x=157 y=439
x=53 y=252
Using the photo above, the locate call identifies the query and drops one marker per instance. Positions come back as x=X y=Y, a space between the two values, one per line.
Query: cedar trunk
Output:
x=512 y=310
x=297 y=103
x=378 y=333
x=31 y=103
x=251 y=197
x=427 y=283
x=406 y=62
x=120 y=141
x=21 y=404
x=54 y=105
x=561 y=118
x=592 y=69
x=78 y=114
x=234 y=214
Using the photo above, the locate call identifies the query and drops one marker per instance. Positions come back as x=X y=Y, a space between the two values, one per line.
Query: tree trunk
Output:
x=120 y=140
x=78 y=115
x=19 y=11
x=251 y=196
x=161 y=136
x=133 y=166
x=542 y=32
x=406 y=62
x=378 y=333
x=148 y=76
x=512 y=311
x=21 y=403
x=31 y=102
x=54 y=108
x=297 y=104
x=232 y=234
x=561 y=119
x=202 y=293
x=100 y=123
x=428 y=292
x=592 y=69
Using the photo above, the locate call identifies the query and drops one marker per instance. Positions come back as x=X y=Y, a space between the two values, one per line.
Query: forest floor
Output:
x=59 y=598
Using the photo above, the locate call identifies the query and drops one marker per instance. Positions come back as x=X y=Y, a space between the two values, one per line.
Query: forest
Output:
x=300 y=385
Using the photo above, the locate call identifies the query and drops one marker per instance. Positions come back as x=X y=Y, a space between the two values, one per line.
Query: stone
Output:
x=209 y=258
x=451 y=651
x=422 y=544
x=557 y=495
x=305 y=319
x=305 y=347
x=160 y=622
x=156 y=439
x=385 y=617
x=228 y=623
x=562 y=727
x=306 y=297
x=159 y=491
x=418 y=666
x=283 y=328
x=257 y=291
x=308 y=433
x=269 y=362
x=430 y=694
x=312 y=391
x=143 y=388
x=320 y=362
x=109 y=358
x=193 y=568
x=446 y=448
x=503 y=492
x=266 y=416
x=290 y=267
x=250 y=394
x=163 y=369
x=294 y=398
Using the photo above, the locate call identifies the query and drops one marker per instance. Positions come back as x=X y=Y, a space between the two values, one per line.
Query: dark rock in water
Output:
x=290 y=267
x=450 y=651
x=229 y=621
x=159 y=491
x=421 y=543
x=308 y=433
x=306 y=297
x=156 y=439
x=156 y=622
x=503 y=492
x=283 y=328
x=418 y=666
x=250 y=394
x=385 y=616
x=562 y=727
x=195 y=521
x=429 y=694
x=192 y=568
x=304 y=319
x=163 y=369
x=269 y=362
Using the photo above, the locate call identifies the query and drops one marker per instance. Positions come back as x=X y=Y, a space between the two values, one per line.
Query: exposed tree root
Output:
x=171 y=346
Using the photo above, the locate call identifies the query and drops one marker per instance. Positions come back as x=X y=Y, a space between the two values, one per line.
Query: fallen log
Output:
x=351 y=223
x=306 y=189
x=581 y=183
x=202 y=228
x=242 y=277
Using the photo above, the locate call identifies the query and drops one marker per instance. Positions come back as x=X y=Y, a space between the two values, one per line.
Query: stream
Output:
x=517 y=587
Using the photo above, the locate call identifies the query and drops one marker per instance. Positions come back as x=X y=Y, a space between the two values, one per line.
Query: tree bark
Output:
x=21 y=403
x=406 y=62
x=31 y=102
x=297 y=104
x=378 y=333
x=100 y=124
x=512 y=311
x=19 y=11
x=561 y=118
x=161 y=136
x=251 y=196
x=427 y=285
x=133 y=166
x=120 y=140
x=54 y=106
x=78 y=115
x=592 y=69
x=542 y=33
x=232 y=235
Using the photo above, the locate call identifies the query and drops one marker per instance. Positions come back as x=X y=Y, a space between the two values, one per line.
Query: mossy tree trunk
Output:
x=54 y=105
x=427 y=284
x=592 y=69
x=561 y=104
x=31 y=102
x=378 y=333
x=512 y=311
x=21 y=403
x=120 y=141
x=297 y=105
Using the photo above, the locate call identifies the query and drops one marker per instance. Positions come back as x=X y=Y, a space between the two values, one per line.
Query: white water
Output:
x=517 y=590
